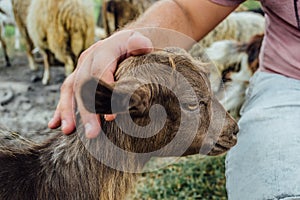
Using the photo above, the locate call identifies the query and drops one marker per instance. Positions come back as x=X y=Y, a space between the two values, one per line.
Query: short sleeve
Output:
x=228 y=2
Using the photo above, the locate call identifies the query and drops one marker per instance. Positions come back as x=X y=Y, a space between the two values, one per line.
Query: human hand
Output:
x=99 y=60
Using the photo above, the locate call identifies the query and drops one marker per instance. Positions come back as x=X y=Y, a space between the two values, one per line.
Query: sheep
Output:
x=240 y=26
x=62 y=27
x=236 y=62
x=74 y=167
x=117 y=13
x=20 y=10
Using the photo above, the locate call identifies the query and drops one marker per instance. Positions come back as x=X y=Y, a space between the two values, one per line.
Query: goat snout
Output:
x=231 y=127
x=228 y=138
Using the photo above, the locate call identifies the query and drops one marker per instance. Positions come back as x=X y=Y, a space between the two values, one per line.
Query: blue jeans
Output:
x=265 y=163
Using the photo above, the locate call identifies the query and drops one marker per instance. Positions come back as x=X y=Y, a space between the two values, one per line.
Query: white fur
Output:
x=8 y=19
x=225 y=54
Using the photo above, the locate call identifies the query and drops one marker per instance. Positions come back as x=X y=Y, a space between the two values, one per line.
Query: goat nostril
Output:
x=236 y=130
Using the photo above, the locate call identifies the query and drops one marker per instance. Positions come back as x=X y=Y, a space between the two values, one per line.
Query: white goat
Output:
x=236 y=63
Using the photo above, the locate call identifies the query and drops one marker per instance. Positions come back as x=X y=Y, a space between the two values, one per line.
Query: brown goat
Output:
x=74 y=167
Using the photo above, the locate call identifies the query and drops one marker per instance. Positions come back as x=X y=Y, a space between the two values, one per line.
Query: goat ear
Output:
x=102 y=98
x=96 y=96
x=254 y=47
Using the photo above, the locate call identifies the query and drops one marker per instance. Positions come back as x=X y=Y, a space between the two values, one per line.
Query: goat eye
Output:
x=190 y=106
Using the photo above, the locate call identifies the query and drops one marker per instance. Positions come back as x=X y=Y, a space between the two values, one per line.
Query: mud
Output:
x=26 y=105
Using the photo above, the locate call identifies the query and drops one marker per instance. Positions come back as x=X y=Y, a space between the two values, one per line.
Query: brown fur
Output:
x=63 y=168
x=117 y=13
x=63 y=27
x=252 y=50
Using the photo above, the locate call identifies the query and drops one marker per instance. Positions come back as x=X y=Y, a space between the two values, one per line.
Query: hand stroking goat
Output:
x=74 y=167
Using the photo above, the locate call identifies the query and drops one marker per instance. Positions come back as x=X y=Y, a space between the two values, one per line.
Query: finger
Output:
x=91 y=123
x=139 y=44
x=66 y=112
x=108 y=74
x=55 y=122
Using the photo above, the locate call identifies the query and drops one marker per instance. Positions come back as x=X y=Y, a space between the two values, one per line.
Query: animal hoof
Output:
x=45 y=82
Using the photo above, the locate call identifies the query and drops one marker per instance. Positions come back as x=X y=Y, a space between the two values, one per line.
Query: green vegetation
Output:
x=252 y=4
x=192 y=177
x=9 y=31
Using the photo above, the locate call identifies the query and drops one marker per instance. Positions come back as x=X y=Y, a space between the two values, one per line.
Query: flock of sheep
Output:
x=56 y=35
x=63 y=167
x=59 y=29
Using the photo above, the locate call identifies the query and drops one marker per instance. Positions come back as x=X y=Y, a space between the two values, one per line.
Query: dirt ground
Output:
x=26 y=105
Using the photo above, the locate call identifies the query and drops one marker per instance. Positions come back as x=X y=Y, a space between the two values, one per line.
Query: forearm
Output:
x=194 y=18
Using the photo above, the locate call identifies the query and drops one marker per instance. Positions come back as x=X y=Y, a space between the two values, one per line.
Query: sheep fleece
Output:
x=62 y=26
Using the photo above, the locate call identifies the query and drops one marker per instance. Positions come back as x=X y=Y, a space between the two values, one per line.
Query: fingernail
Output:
x=50 y=121
x=63 y=124
x=88 y=130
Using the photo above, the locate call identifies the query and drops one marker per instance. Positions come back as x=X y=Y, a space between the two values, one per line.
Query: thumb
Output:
x=138 y=44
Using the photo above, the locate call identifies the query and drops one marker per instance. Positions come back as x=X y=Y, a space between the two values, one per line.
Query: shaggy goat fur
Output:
x=62 y=27
x=67 y=167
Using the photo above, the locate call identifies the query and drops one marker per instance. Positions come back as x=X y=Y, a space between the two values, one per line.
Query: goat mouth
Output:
x=217 y=150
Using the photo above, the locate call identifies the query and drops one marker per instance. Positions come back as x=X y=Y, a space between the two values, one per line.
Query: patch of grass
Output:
x=193 y=177
x=252 y=4
x=9 y=31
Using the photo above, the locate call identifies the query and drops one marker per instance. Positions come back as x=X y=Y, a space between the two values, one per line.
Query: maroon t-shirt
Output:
x=280 y=51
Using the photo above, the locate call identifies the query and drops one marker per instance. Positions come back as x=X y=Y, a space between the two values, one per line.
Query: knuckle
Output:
x=67 y=84
x=64 y=87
